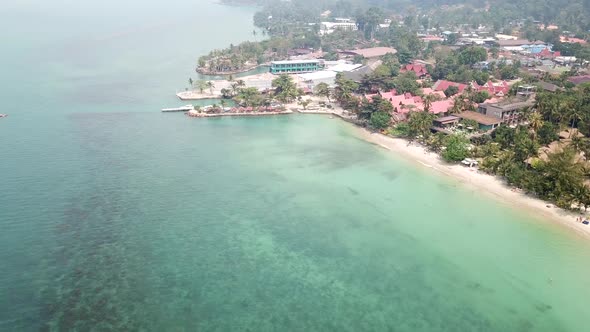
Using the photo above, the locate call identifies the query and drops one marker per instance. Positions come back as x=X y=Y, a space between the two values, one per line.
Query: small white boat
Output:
x=3 y=115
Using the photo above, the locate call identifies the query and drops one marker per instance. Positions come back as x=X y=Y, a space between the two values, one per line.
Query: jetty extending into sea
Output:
x=185 y=108
x=196 y=114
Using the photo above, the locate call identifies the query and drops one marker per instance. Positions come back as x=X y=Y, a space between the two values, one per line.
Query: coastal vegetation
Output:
x=545 y=156
x=284 y=90
x=533 y=155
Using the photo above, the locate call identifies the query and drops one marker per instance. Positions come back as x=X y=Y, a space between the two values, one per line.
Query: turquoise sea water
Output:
x=117 y=217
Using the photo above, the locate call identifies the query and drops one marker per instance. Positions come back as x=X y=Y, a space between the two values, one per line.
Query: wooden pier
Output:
x=185 y=108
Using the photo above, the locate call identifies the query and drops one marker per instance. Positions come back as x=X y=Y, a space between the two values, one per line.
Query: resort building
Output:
x=311 y=80
x=445 y=122
x=373 y=52
x=442 y=85
x=405 y=103
x=418 y=68
x=295 y=66
x=327 y=28
x=357 y=75
x=507 y=111
x=485 y=122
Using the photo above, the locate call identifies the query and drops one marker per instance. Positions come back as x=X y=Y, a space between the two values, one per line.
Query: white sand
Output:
x=472 y=178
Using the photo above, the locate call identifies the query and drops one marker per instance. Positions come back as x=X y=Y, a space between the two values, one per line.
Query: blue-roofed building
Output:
x=535 y=48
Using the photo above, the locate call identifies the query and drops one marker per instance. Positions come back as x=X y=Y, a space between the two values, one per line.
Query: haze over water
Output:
x=117 y=217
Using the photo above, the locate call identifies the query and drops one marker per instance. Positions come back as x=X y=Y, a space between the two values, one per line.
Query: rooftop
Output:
x=480 y=118
x=286 y=62
x=447 y=119
x=318 y=75
x=579 y=79
x=358 y=74
x=510 y=104
x=518 y=42
x=374 y=52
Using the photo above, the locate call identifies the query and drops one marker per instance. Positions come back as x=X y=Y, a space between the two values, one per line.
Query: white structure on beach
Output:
x=328 y=76
x=310 y=80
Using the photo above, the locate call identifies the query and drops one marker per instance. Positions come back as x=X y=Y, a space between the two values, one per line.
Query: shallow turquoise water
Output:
x=118 y=217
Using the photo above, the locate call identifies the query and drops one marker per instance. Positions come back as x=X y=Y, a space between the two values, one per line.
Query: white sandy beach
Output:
x=472 y=178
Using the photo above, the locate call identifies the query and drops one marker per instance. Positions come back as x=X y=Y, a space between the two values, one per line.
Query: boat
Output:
x=185 y=108
x=3 y=115
x=469 y=162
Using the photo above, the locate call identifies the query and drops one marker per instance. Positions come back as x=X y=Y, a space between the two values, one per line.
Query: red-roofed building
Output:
x=429 y=91
x=406 y=103
x=442 y=85
x=432 y=38
x=494 y=89
x=565 y=39
x=547 y=54
x=417 y=68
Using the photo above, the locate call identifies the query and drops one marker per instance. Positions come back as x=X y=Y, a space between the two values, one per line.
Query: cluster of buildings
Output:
x=311 y=72
x=488 y=115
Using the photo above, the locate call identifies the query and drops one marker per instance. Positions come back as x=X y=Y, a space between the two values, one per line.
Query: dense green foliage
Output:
x=380 y=120
x=455 y=148
x=559 y=173
x=285 y=89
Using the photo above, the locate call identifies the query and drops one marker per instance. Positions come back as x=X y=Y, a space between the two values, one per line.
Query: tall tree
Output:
x=285 y=89
x=210 y=85
x=535 y=122
x=323 y=90
x=201 y=85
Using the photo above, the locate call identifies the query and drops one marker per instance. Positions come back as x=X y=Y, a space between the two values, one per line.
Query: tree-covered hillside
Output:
x=572 y=15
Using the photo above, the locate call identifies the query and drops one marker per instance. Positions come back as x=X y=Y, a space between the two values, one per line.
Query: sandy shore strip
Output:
x=472 y=178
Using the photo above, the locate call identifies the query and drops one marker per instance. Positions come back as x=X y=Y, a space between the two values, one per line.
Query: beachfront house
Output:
x=507 y=111
x=484 y=122
x=295 y=66
x=446 y=122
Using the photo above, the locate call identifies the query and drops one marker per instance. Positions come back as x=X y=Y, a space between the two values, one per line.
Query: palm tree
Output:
x=535 y=122
x=458 y=105
x=285 y=88
x=210 y=85
x=222 y=103
x=234 y=88
x=240 y=83
x=304 y=103
x=322 y=89
x=428 y=102
x=574 y=115
x=201 y=85
x=190 y=82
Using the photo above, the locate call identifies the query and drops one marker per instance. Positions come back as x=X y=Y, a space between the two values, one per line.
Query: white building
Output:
x=327 y=28
x=328 y=76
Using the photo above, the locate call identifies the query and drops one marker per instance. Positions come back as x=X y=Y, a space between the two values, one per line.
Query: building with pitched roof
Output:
x=508 y=110
x=485 y=122
x=405 y=103
x=373 y=52
x=419 y=69
x=499 y=89
x=442 y=85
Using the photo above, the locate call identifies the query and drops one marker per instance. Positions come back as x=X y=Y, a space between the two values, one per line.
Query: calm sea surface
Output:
x=114 y=216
